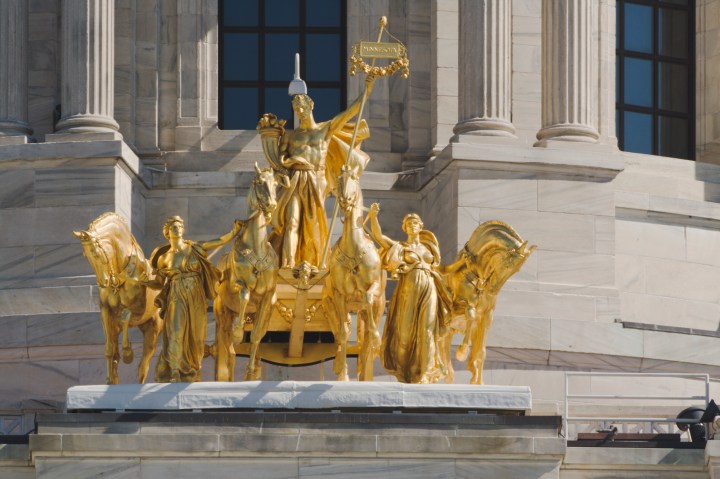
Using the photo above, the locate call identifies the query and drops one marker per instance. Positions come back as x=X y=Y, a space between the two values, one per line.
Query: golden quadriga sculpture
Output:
x=288 y=280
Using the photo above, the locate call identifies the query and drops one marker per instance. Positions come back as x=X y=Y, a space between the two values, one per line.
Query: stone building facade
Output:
x=112 y=105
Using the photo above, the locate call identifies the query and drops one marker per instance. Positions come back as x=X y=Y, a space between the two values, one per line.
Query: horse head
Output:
x=109 y=246
x=348 y=188
x=262 y=195
x=505 y=261
x=496 y=252
x=96 y=255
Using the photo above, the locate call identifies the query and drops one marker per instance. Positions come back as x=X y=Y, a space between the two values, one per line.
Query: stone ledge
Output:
x=612 y=458
x=52 y=155
x=292 y=434
x=289 y=395
x=140 y=421
x=174 y=180
x=570 y=160
x=682 y=211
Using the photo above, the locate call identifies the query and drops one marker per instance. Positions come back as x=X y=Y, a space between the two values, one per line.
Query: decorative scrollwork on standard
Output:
x=402 y=63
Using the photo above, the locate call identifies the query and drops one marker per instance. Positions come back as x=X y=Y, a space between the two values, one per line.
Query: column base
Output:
x=482 y=128
x=83 y=136
x=13 y=140
x=98 y=127
x=14 y=132
x=567 y=132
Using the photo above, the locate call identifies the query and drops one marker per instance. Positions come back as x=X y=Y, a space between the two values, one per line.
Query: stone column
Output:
x=14 y=127
x=88 y=73
x=568 y=104
x=485 y=61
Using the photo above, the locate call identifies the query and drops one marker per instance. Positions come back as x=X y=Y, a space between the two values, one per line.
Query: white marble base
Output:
x=298 y=395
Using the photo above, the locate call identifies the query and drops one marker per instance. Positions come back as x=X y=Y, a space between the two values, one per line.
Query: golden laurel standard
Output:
x=379 y=50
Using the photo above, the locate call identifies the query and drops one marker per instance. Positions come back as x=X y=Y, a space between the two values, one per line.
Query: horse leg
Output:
x=258 y=333
x=255 y=337
x=371 y=337
x=361 y=332
x=343 y=329
x=444 y=345
x=151 y=330
x=367 y=349
x=479 y=351
x=471 y=324
x=267 y=303
x=111 y=347
x=372 y=298
x=225 y=350
x=333 y=321
x=127 y=352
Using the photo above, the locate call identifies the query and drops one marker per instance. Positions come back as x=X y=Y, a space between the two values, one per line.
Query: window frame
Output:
x=656 y=58
x=302 y=30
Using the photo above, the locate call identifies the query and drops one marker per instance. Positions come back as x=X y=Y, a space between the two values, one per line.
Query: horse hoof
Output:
x=128 y=355
x=462 y=353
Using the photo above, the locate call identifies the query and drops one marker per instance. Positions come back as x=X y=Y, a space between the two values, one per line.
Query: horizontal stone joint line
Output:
x=670 y=329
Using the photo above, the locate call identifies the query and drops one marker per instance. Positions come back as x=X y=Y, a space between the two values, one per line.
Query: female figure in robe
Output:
x=419 y=309
x=187 y=279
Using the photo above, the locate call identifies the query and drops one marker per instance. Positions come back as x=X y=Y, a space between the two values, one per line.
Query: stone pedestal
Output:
x=296 y=444
x=88 y=84
x=305 y=395
x=484 y=64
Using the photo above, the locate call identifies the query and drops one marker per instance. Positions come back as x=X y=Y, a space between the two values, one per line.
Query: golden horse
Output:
x=120 y=266
x=491 y=256
x=248 y=281
x=355 y=283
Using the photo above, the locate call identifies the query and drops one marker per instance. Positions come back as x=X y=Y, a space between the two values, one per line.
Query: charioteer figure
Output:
x=312 y=156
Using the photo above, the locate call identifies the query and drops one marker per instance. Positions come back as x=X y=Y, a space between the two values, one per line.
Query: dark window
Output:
x=258 y=42
x=655 y=97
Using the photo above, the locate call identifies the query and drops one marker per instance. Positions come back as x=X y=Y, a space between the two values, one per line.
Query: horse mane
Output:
x=252 y=201
x=487 y=238
x=108 y=219
x=253 y=205
x=106 y=222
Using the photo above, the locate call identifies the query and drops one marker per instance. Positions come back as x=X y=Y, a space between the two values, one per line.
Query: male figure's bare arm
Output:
x=343 y=117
